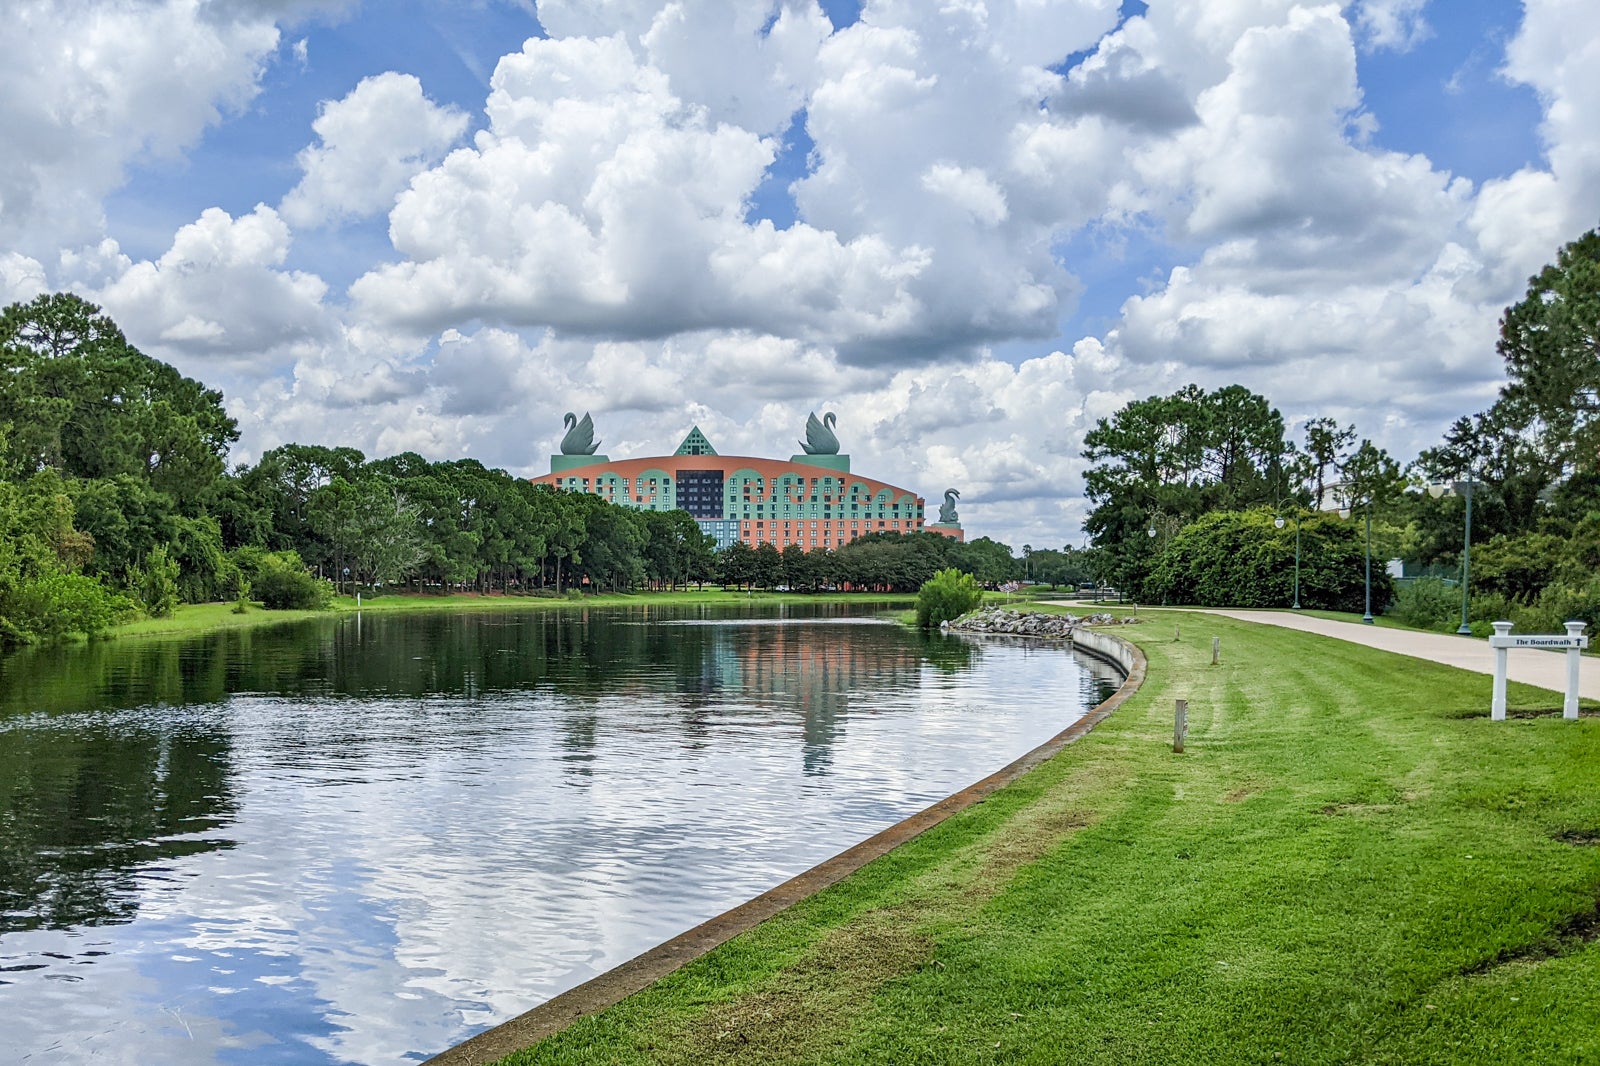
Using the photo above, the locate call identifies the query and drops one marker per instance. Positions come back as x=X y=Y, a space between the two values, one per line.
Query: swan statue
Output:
x=819 y=436
x=947 y=510
x=580 y=435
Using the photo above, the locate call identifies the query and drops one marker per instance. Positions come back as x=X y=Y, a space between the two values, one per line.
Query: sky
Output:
x=971 y=228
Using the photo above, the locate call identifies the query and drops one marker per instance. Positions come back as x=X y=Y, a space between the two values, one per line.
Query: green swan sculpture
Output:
x=819 y=436
x=580 y=435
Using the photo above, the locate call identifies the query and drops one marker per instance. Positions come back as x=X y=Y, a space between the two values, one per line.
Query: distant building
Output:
x=812 y=500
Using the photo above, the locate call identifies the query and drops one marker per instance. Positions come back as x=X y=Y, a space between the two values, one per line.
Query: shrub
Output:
x=157 y=582
x=1240 y=559
x=205 y=574
x=1428 y=603
x=946 y=596
x=241 y=599
x=58 y=604
x=281 y=589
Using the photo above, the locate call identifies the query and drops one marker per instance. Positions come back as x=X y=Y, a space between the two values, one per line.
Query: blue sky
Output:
x=969 y=258
x=1444 y=98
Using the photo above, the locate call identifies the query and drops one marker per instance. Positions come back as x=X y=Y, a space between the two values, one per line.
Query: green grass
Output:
x=199 y=618
x=1351 y=864
x=194 y=619
x=1381 y=620
x=713 y=597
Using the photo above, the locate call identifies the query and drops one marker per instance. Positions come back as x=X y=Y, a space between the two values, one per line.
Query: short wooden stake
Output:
x=1216 y=650
x=1180 y=725
x=1177 y=633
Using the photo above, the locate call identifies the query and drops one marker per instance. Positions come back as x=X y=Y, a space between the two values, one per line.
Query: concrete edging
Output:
x=620 y=982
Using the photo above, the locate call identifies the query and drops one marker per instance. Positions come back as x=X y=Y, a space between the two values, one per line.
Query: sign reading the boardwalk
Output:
x=1557 y=641
x=1572 y=642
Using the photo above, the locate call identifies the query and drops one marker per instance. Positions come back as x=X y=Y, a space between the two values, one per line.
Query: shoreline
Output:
x=612 y=987
x=200 y=619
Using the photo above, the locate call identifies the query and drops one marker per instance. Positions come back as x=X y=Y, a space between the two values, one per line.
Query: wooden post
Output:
x=1180 y=725
x=1177 y=633
x=1216 y=650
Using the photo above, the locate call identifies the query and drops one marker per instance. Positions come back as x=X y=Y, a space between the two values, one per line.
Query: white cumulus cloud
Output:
x=372 y=143
x=88 y=88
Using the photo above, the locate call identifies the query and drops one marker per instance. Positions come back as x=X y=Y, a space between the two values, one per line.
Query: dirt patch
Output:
x=1336 y=810
x=1578 y=837
x=1238 y=795
x=1516 y=712
x=807 y=1007
x=1570 y=937
x=1027 y=838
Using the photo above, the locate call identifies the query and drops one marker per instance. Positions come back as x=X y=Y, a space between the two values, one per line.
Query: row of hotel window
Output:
x=825 y=524
x=760 y=508
x=783 y=539
x=828 y=495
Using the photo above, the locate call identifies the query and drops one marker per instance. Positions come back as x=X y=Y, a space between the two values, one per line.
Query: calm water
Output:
x=364 y=840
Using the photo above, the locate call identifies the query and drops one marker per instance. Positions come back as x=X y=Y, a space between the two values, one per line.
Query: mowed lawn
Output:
x=1350 y=864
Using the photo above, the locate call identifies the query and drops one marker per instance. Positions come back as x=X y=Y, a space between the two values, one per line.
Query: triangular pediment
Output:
x=695 y=444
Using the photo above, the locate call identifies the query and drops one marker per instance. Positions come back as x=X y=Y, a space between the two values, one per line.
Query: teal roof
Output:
x=695 y=444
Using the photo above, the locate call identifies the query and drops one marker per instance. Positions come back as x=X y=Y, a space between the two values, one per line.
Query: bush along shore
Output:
x=1031 y=623
x=1350 y=864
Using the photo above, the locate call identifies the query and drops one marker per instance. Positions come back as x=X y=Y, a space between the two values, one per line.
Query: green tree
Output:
x=81 y=400
x=1327 y=447
x=736 y=564
x=370 y=527
x=990 y=561
x=1550 y=342
x=1165 y=460
x=611 y=555
x=283 y=482
x=1372 y=478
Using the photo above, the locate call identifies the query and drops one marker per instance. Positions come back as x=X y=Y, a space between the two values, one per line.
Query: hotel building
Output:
x=811 y=500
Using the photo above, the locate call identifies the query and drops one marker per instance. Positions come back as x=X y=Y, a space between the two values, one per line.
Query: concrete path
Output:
x=1544 y=669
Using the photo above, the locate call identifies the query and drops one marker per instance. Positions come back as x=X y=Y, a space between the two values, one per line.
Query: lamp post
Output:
x=1152 y=532
x=1466 y=560
x=1367 y=618
x=1278 y=523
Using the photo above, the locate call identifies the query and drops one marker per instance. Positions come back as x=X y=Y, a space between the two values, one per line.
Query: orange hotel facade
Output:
x=813 y=501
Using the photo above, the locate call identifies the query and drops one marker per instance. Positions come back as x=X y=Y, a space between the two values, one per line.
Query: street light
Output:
x=1152 y=532
x=1278 y=522
x=1466 y=559
x=1367 y=618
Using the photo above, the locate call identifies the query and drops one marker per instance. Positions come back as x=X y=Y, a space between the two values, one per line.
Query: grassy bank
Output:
x=1350 y=864
x=195 y=619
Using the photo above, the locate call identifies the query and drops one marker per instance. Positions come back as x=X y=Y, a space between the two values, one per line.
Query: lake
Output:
x=365 y=839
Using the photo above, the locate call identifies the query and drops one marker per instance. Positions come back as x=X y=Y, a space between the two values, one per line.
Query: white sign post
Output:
x=1572 y=641
x=1497 y=702
x=1569 y=707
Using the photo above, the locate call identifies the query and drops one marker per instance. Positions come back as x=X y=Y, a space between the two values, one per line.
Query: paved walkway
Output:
x=1544 y=669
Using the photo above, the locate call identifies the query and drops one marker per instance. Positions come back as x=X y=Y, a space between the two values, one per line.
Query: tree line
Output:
x=1188 y=490
x=117 y=499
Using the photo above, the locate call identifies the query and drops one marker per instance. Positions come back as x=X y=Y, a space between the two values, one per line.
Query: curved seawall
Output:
x=617 y=984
